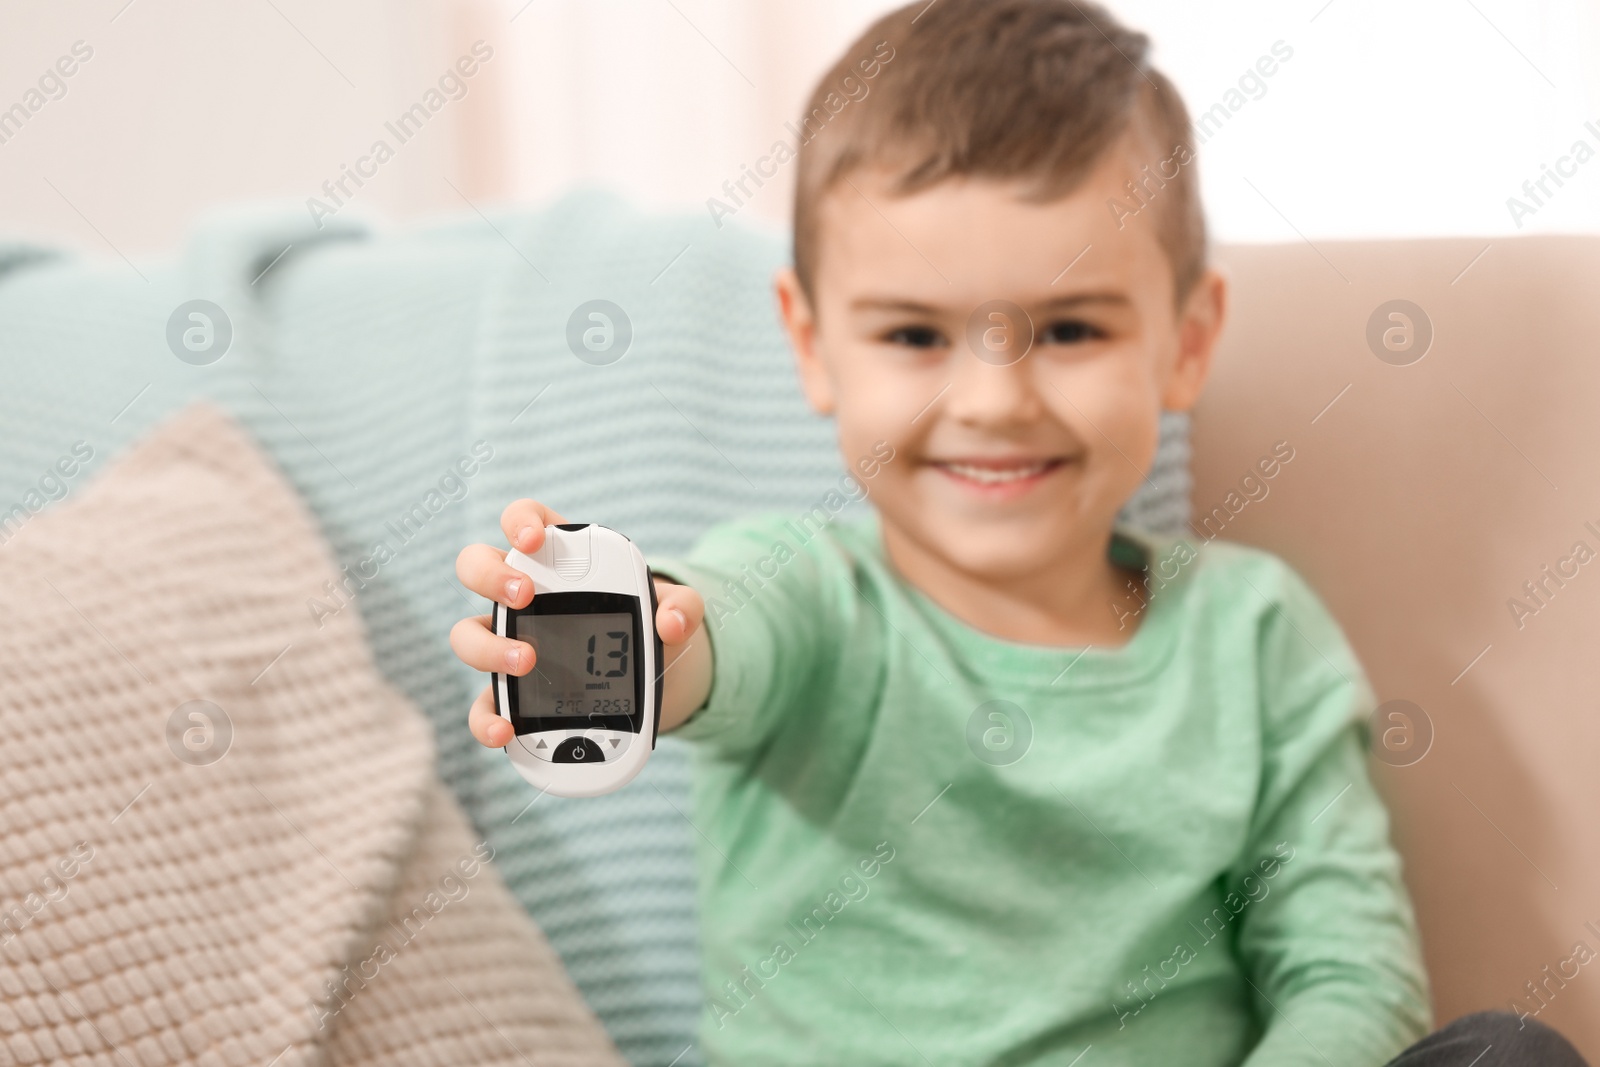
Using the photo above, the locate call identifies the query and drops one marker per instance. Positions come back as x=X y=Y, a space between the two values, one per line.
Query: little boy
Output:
x=988 y=779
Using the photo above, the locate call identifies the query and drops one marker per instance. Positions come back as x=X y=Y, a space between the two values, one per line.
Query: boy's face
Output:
x=1006 y=464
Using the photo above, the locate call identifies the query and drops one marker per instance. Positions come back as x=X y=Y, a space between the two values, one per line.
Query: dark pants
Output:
x=1491 y=1039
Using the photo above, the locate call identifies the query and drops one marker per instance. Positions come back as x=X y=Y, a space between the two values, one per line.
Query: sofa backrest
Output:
x=1423 y=497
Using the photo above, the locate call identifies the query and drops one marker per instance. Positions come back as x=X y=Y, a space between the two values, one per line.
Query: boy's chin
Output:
x=999 y=551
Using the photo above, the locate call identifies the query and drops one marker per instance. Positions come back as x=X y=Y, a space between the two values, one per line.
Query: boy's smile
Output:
x=998 y=477
x=1011 y=460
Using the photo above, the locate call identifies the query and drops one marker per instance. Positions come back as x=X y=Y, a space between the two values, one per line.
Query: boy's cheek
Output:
x=875 y=405
x=1107 y=402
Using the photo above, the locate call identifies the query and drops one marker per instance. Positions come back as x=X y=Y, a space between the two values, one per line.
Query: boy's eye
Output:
x=915 y=337
x=1069 y=332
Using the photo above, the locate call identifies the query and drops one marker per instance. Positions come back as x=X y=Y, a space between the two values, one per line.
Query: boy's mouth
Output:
x=1004 y=476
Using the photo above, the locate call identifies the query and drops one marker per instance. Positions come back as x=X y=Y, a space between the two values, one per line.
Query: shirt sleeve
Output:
x=776 y=606
x=1331 y=949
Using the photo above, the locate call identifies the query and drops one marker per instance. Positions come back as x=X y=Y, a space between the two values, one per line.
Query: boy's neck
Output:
x=1082 y=599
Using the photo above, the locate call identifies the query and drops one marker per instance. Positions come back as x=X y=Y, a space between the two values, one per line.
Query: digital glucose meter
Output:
x=587 y=714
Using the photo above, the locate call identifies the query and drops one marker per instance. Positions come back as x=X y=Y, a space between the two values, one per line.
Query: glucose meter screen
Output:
x=584 y=664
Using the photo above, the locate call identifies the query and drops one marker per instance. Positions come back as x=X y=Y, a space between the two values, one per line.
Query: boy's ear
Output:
x=800 y=321
x=1199 y=326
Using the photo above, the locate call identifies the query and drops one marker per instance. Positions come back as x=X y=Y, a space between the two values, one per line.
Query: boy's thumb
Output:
x=679 y=613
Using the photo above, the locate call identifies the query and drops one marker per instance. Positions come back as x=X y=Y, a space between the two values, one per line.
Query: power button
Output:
x=578 y=750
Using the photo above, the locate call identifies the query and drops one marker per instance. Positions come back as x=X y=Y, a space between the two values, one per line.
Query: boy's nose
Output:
x=983 y=394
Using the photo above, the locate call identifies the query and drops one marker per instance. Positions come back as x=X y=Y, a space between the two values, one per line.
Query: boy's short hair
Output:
x=1034 y=91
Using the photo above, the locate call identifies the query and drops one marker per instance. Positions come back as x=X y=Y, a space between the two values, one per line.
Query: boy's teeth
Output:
x=993 y=475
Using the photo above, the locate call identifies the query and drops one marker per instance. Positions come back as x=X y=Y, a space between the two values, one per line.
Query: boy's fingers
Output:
x=679 y=610
x=482 y=649
x=483 y=569
x=489 y=728
x=523 y=522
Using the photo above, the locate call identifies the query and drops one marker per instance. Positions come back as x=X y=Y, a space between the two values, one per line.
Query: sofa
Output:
x=369 y=362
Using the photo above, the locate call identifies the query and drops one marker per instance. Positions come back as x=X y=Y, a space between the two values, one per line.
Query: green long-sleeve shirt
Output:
x=920 y=844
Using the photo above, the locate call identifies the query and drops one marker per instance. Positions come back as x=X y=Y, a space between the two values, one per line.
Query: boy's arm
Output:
x=774 y=612
x=777 y=610
x=1326 y=935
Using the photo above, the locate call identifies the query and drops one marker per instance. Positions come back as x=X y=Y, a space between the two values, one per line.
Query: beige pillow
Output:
x=276 y=872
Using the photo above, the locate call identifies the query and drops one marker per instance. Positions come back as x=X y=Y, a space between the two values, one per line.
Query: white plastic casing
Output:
x=596 y=559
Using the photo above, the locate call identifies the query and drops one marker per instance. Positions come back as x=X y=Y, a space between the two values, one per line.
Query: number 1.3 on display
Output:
x=618 y=654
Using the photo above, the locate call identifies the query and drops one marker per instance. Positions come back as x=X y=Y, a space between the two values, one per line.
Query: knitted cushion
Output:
x=221 y=838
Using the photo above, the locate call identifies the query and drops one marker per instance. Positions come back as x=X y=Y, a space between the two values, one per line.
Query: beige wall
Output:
x=1390 y=120
x=186 y=105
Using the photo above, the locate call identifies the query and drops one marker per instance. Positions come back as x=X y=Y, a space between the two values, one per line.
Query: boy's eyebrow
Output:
x=1067 y=300
x=890 y=303
x=1055 y=303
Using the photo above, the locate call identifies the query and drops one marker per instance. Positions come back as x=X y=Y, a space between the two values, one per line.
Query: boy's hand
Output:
x=483 y=569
